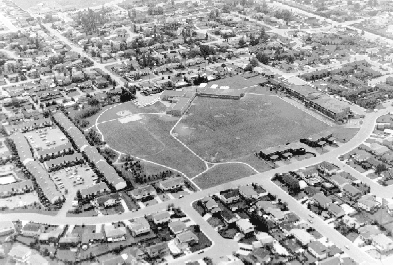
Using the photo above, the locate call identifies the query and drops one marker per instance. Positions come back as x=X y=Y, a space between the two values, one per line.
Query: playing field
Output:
x=147 y=136
x=222 y=130
x=220 y=174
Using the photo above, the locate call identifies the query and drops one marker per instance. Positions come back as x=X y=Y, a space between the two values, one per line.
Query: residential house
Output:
x=96 y=189
x=339 y=181
x=321 y=200
x=265 y=238
x=302 y=236
x=138 y=226
x=143 y=192
x=367 y=232
x=335 y=210
x=229 y=196
x=177 y=227
x=115 y=234
x=171 y=184
x=368 y=203
x=245 y=226
x=351 y=222
x=6 y=228
x=107 y=201
x=92 y=238
x=161 y=217
x=210 y=205
x=277 y=214
x=318 y=250
x=229 y=217
x=31 y=230
x=328 y=168
x=382 y=243
x=351 y=192
x=51 y=237
x=248 y=192
x=69 y=241
x=186 y=239
x=20 y=253
x=157 y=250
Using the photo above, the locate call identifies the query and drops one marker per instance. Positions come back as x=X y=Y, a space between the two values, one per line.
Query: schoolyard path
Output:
x=221 y=245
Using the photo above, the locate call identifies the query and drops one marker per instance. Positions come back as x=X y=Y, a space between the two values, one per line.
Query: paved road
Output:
x=79 y=50
x=262 y=178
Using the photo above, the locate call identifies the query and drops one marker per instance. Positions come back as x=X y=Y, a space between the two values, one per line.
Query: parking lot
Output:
x=73 y=178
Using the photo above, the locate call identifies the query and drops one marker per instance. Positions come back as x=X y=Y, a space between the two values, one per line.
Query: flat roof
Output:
x=46 y=138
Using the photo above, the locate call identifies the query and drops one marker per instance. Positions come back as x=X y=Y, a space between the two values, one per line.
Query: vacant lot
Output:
x=221 y=174
x=226 y=130
x=149 y=138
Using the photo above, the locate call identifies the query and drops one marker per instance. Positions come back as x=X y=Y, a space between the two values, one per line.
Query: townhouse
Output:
x=64 y=161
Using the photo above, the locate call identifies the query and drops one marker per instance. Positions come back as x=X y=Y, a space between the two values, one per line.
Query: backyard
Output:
x=221 y=130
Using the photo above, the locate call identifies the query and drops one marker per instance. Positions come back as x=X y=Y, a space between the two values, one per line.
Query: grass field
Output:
x=149 y=138
x=226 y=130
x=220 y=174
x=132 y=108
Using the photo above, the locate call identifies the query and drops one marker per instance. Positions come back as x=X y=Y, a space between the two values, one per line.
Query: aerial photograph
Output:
x=196 y=132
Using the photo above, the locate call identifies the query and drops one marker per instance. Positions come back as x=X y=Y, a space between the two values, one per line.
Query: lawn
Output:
x=149 y=138
x=221 y=174
x=226 y=130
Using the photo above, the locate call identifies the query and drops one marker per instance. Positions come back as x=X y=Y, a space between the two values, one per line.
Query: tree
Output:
x=242 y=42
x=380 y=168
x=254 y=62
x=93 y=102
x=263 y=58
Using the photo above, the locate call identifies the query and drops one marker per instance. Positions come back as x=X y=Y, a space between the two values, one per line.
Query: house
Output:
x=92 y=238
x=327 y=168
x=161 y=217
x=171 y=184
x=302 y=236
x=210 y=205
x=382 y=243
x=245 y=226
x=177 y=227
x=351 y=222
x=330 y=261
x=114 y=234
x=143 y=192
x=20 y=253
x=277 y=214
x=96 y=189
x=265 y=238
x=229 y=196
x=339 y=181
x=368 y=203
x=367 y=232
x=321 y=200
x=318 y=250
x=38 y=259
x=157 y=250
x=31 y=230
x=138 y=226
x=351 y=192
x=336 y=210
x=229 y=217
x=69 y=241
x=6 y=228
x=248 y=192
x=107 y=201
x=186 y=239
x=51 y=237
